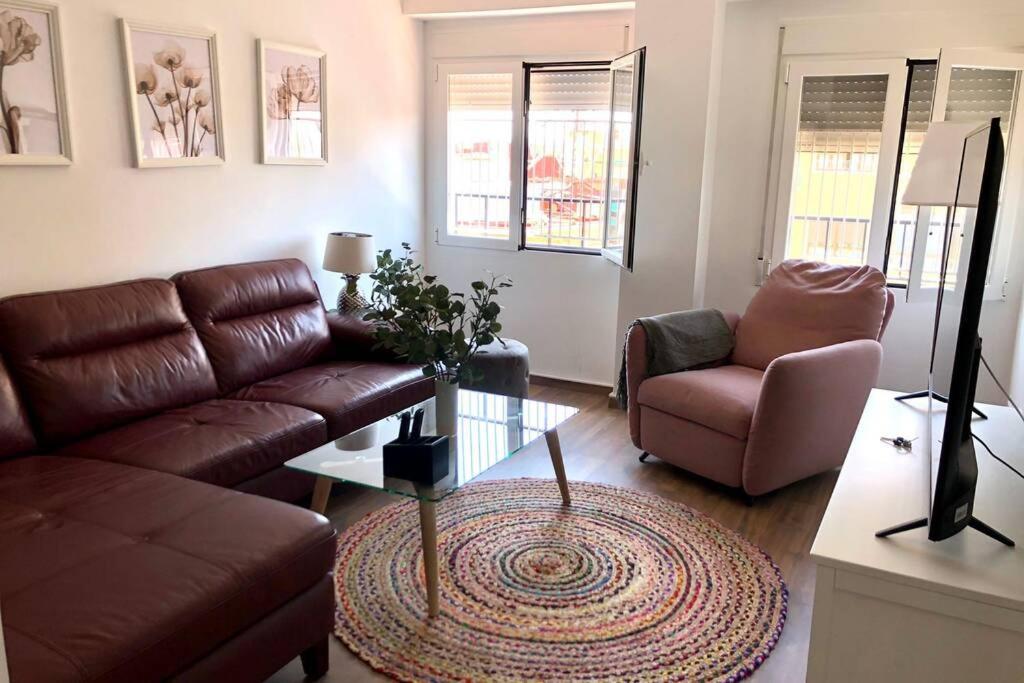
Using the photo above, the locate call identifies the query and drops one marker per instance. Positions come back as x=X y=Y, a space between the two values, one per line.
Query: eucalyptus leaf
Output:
x=419 y=319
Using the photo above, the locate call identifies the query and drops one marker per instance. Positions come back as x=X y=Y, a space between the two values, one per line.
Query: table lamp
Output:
x=350 y=253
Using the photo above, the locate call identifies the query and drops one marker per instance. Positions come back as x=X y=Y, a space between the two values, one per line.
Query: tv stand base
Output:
x=973 y=522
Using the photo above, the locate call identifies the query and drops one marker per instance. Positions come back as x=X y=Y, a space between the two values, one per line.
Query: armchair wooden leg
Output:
x=644 y=456
x=315 y=660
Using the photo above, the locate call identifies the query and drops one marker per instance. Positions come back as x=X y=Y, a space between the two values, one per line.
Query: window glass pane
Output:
x=904 y=223
x=975 y=96
x=567 y=145
x=618 y=180
x=835 y=167
x=479 y=155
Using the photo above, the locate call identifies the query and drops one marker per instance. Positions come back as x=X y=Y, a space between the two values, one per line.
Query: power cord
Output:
x=1015 y=407
x=1001 y=387
x=1012 y=468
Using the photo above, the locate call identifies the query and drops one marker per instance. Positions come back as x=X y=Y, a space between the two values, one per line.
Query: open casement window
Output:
x=972 y=86
x=838 y=156
x=482 y=137
x=537 y=156
x=581 y=156
x=627 y=97
x=565 y=156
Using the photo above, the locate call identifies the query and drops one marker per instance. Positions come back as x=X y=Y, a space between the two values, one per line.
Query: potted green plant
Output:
x=422 y=321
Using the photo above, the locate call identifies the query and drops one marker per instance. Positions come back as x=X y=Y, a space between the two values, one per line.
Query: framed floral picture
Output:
x=33 y=103
x=293 y=104
x=174 y=91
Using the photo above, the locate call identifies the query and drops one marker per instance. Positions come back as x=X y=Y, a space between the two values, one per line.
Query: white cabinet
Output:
x=904 y=608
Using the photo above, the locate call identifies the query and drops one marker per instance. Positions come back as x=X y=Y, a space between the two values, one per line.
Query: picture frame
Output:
x=33 y=89
x=165 y=66
x=292 y=104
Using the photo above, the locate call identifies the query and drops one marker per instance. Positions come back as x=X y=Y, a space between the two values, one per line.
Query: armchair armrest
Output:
x=807 y=412
x=636 y=371
x=635 y=359
x=353 y=339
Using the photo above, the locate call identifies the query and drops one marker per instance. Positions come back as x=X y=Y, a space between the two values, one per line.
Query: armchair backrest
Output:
x=806 y=305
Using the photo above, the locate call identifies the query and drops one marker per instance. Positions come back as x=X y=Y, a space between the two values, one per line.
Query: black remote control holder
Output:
x=423 y=460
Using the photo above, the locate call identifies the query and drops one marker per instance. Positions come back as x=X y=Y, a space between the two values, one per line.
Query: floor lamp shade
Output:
x=946 y=172
x=350 y=253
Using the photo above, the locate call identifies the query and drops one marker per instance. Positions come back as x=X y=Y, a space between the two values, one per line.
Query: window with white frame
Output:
x=566 y=150
x=531 y=155
x=851 y=133
x=839 y=143
x=479 y=155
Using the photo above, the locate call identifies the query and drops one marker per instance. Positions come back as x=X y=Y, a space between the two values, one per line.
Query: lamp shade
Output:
x=350 y=253
x=946 y=174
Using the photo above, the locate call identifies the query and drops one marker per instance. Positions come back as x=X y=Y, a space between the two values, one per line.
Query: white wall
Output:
x=102 y=220
x=453 y=8
x=1017 y=379
x=748 y=79
x=679 y=96
x=563 y=306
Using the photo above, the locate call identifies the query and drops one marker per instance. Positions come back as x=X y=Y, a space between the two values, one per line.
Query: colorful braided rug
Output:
x=621 y=586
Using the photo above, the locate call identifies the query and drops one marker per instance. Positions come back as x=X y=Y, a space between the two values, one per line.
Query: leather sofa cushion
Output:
x=350 y=394
x=115 y=573
x=721 y=398
x=256 y=320
x=219 y=442
x=87 y=360
x=15 y=434
x=807 y=305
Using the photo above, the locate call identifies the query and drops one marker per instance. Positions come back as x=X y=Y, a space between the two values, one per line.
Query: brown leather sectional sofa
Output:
x=134 y=418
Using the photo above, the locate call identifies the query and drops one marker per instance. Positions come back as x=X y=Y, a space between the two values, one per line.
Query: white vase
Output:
x=447 y=406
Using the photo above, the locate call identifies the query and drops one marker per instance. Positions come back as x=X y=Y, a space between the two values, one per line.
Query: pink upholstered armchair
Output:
x=786 y=404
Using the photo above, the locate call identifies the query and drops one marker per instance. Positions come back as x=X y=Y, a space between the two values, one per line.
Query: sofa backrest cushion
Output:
x=15 y=434
x=256 y=320
x=806 y=305
x=90 y=359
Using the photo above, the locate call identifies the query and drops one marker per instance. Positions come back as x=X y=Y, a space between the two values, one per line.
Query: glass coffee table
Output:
x=491 y=428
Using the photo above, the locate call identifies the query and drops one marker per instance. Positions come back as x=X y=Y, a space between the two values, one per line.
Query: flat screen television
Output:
x=956 y=344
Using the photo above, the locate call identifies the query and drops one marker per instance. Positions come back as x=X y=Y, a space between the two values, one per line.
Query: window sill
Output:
x=476 y=243
x=562 y=250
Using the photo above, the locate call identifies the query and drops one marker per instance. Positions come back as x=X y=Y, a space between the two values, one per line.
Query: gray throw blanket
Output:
x=680 y=341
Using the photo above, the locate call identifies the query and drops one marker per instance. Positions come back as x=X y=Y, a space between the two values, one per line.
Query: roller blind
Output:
x=981 y=94
x=480 y=91
x=582 y=89
x=922 y=91
x=843 y=102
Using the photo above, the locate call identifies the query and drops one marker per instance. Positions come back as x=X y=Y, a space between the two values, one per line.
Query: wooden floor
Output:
x=596 y=447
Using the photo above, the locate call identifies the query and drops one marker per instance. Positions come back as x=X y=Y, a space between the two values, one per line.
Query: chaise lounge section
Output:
x=133 y=419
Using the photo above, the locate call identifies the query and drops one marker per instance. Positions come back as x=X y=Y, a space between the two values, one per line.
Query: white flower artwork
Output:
x=174 y=90
x=33 y=108
x=293 y=104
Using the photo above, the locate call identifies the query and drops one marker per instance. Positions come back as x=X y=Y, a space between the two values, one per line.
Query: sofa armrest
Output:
x=807 y=412
x=636 y=371
x=353 y=339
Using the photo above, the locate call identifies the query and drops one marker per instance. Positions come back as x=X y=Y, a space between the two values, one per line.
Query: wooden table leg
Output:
x=321 y=494
x=555 y=449
x=428 y=530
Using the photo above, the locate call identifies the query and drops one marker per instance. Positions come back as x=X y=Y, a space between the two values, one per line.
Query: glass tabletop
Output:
x=491 y=428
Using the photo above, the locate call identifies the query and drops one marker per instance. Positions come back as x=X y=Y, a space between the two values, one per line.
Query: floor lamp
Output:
x=944 y=176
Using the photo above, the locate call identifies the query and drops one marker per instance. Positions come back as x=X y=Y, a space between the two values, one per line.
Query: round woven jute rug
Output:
x=621 y=586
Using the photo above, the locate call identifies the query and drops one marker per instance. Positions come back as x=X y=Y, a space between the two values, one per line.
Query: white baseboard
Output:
x=573 y=380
